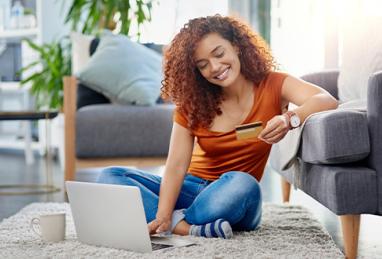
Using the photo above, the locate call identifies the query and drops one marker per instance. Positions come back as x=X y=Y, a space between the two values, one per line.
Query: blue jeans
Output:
x=235 y=196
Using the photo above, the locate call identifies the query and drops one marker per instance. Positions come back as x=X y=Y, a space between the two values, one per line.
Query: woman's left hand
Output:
x=275 y=130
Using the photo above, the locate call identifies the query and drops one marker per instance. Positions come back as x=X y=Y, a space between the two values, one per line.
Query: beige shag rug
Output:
x=286 y=231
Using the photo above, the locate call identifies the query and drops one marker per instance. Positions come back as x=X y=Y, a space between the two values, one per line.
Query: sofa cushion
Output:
x=107 y=130
x=345 y=189
x=334 y=137
x=87 y=96
x=124 y=71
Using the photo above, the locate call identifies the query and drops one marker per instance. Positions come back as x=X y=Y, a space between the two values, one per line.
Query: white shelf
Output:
x=18 y=144
x=13 y=87
x=18 y=33
x=9 y=85
x=50 y=26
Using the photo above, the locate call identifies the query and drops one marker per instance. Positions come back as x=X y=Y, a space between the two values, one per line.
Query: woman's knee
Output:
x=235 y=193
x=108 y=174
x=243 y=183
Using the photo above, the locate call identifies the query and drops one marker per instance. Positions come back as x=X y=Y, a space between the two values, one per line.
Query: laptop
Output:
x=113 y=216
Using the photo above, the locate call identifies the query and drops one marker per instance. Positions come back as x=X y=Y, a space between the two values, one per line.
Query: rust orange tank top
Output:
x=218 y=152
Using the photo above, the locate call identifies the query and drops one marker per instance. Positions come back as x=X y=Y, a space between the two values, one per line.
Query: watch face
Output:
x=295 y=121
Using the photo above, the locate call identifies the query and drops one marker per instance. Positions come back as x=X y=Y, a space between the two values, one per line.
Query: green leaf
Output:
x=29 y=66
x=47 y=85
x=30 y=78
x=91 y=16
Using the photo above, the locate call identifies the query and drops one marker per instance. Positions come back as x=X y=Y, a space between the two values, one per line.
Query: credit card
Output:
x=250 y=130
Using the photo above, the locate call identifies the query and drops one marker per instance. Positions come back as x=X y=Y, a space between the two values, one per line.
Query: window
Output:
x=169 y=16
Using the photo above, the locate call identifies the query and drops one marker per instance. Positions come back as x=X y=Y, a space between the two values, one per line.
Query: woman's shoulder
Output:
x=179 y=117
x=271 y=87
x=273 y=79
x=273 y=76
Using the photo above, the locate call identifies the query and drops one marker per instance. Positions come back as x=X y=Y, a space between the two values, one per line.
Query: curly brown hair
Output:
x=183 y=84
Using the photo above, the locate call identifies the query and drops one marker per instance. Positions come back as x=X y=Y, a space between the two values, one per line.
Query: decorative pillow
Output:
x=124 y=71
x=80 y=50
x=361 y=57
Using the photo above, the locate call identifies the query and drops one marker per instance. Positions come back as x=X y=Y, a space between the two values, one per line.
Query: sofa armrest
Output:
x=325 y=79
x=70 y=97
x=374 y=111
x=335 y=137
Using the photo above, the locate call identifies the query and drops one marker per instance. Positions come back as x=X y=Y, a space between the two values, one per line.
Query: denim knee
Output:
x=230 y=197
x=245 y=184
x=113 y=172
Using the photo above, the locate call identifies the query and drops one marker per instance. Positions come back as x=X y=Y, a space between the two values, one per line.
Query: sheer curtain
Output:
x=168 y=16
x=306 y=35
x=299 y=31
x=298 y=35
x=310 y=35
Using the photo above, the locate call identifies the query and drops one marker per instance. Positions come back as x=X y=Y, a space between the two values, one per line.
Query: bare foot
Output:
x=182 y=228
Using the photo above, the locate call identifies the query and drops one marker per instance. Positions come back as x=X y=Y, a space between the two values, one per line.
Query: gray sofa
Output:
x=100 y=133
x=107 y=130
x=340 y=159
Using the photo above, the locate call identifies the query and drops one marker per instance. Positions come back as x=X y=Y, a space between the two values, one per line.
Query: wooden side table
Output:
x=33 y=188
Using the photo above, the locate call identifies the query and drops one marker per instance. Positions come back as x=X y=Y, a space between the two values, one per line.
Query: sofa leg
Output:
x=70 y=98
x=285 y=189
x=350 y=231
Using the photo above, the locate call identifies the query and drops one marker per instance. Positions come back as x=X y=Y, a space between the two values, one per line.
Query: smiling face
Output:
x=217 y=60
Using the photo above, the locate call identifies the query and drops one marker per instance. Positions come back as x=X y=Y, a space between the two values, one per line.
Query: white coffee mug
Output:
x=50 y=227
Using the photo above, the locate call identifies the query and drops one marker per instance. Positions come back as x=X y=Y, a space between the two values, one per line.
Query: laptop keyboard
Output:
x=159 y=246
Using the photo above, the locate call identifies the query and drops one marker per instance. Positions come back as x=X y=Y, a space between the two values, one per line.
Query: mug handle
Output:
x=35 y=224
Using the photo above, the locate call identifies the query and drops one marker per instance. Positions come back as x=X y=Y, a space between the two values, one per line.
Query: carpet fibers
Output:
x=286 y=231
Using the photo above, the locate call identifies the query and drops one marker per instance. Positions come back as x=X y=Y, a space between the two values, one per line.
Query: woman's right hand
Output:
x=159 y=225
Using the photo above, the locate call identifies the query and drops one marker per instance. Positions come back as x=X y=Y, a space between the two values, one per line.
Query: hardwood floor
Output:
x=14 y=170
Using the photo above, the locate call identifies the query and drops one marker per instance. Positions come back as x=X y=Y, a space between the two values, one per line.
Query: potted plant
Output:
x=53 y=64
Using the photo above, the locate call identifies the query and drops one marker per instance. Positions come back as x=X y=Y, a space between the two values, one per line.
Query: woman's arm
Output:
x=178 y=160
x=308 y=97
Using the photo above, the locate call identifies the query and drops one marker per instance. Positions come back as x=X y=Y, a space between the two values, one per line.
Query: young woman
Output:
x=220 y=74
